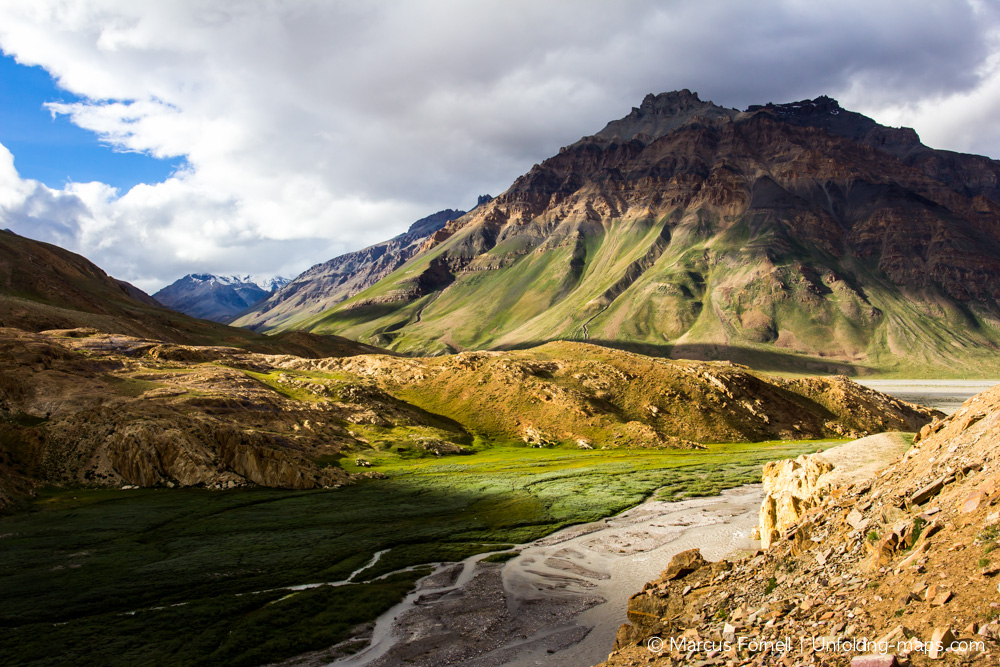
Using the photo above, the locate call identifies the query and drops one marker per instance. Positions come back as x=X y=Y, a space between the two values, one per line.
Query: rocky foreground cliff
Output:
x=900 y=569
x=79 y=406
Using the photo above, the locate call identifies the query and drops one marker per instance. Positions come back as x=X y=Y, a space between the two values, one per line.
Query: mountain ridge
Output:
x=47 y=288
x=802 y=230
x=328 y=283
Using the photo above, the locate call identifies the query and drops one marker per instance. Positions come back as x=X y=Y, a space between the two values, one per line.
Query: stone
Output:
x=884 y=550
x=855 y=518
x=941 y=638
x=900 y=633
x=926 y=493
x=941 y=599
x=972 y=502
x=729 y=633
x=990 y=630
x=683 y=564
x=874 y=660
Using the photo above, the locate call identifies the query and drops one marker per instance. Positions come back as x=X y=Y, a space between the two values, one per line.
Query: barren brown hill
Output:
x=44 y=287
x=570 y=392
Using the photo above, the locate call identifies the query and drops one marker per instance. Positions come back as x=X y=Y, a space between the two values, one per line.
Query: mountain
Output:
x=796 y=236
x=44 y=287
x=217 y=298
x=327 y=284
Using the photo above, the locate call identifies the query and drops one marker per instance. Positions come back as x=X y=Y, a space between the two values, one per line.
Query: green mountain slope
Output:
x=797 y=237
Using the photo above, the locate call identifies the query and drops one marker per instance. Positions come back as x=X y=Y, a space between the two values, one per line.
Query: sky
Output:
x=264 y=136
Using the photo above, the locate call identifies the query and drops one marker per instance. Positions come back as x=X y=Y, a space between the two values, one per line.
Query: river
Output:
x=560 y=602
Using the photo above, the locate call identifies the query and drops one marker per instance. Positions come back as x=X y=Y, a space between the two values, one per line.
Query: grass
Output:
x=918 y=528
x=170 y=577
x=501 y=557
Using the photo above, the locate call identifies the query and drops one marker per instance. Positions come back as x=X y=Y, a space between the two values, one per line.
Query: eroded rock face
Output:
x=791 y=488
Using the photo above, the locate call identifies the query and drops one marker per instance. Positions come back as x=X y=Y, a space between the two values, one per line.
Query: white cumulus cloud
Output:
x=312 y=127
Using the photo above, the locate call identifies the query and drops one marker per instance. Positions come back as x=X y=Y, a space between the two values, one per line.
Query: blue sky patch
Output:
x=54 y=150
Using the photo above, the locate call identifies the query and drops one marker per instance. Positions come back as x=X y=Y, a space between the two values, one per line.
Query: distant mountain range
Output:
x=793 y=236
x=327 y=284
x=217 y=298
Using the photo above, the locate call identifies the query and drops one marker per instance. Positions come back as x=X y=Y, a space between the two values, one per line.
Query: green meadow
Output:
x=195 y=577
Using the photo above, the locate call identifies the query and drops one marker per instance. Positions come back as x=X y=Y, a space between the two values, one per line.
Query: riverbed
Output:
x=944 y=395
x=561 y=601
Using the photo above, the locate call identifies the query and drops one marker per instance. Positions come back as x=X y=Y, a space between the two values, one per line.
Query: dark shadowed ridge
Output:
x=44 y=287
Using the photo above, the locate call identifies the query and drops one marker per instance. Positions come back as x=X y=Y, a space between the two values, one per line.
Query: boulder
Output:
x=683 y=564
x=941 y=639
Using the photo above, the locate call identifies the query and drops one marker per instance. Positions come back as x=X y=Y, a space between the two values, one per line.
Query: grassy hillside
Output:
x=776 y=237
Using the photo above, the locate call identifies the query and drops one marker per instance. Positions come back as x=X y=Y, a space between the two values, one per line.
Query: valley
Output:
x=192 y=576
x=474 y=441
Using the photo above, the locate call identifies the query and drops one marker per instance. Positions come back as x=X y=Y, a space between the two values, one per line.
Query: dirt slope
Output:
x=906 y=560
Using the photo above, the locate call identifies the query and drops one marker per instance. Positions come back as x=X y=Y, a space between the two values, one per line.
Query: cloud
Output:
x=311 y=128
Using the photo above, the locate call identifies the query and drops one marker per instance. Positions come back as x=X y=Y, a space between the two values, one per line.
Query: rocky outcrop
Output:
x=895 y=568
x=791 y=488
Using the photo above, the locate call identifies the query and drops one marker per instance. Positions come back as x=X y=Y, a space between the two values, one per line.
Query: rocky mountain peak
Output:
x=660 y=114
x=671 y=103
x=826 y=114
x=822 y=104
x=433 y=222
x=217 y=298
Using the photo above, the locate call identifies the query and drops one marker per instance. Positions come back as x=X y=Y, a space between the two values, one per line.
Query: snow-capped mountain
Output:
x=218 y=298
